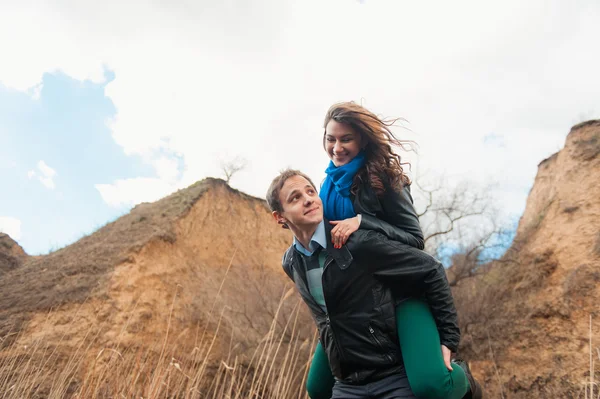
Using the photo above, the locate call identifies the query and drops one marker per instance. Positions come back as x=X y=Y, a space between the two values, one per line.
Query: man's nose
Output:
x=308 y=200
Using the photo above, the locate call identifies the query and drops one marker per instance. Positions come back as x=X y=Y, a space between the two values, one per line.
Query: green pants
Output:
x=420 y=344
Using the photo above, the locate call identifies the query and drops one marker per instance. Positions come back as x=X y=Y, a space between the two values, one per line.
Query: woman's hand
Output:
x=446 y=353
x=342 y=230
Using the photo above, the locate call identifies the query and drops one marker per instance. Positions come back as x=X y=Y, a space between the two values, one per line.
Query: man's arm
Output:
x=286 y=262
x=407 y=270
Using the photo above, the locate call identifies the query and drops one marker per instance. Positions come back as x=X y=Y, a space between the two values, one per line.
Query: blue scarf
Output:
x=335 y=191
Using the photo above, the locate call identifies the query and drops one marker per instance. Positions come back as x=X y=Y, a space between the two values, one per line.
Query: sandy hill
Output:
x=203 y=263
x=526 y=322
x=11 y=254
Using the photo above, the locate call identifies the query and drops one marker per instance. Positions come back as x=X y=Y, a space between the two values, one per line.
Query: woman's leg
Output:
x=422 y=354
x=319 y=383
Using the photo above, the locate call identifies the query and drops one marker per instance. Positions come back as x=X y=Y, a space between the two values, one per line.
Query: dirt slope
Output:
x=526 y=322
x=159 y=268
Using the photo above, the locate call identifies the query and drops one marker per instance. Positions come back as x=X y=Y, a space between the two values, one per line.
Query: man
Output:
x=350 y=291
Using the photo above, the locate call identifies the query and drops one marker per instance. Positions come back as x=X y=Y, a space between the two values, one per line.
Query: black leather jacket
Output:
x=393 y=214
x=360 y=280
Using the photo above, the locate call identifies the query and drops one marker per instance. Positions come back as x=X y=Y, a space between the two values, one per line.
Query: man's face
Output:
x=302 y=207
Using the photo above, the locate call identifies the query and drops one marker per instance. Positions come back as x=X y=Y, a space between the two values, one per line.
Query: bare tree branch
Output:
x=233 y=166
x=429 y=197
x=460 y=224
x=452 y=221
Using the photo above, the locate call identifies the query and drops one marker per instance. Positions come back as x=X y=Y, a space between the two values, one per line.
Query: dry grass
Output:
x=162 y=369
x=591 y=389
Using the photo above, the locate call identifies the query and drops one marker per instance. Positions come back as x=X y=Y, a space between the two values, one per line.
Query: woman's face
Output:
x=342 y=143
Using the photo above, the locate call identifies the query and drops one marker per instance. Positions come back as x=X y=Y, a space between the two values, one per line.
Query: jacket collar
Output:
x=318 y=239
x=343 y=258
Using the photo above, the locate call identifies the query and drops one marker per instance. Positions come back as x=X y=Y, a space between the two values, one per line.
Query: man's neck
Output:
x=304 y=234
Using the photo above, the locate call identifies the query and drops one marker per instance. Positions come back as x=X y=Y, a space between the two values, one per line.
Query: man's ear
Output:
x=280 y=219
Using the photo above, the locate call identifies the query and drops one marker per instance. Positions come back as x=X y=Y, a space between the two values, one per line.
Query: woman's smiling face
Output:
x=342 y=143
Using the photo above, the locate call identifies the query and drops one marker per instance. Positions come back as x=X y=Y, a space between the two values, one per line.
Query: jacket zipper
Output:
x=375 y=337
x=327 y=319
x=326 y=264
x=387 y=355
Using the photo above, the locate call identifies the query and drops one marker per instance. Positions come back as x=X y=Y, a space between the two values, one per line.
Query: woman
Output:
x=366 y=187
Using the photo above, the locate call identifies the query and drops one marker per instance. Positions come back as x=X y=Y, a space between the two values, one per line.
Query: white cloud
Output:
x=48 y=182
x=11 y=226
x=46 y=170
x=256 y=79
x=45 y=176
x=167 y=169
x=128 y=192
x=36 y=91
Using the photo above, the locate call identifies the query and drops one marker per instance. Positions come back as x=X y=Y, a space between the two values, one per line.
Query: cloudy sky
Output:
x=107 y=104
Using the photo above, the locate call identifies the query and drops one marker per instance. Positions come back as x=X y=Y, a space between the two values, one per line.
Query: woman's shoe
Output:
x=475 y=392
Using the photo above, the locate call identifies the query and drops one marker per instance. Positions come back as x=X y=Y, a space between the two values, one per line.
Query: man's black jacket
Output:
x=360 y=282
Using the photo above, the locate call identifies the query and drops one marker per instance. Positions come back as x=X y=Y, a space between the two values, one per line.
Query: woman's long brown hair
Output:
x=381 y=162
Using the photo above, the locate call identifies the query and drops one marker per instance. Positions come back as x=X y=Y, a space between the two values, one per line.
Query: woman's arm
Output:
x=399 y=220
x=395 y=233
x=398 y=210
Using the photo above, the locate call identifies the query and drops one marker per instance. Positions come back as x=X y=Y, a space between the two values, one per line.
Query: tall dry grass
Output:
x=590 y=388
x=276 y=369
x=165 y=368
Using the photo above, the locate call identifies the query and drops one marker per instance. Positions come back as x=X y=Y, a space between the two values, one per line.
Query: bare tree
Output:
x=461 y=225
x=233 y=166
x=470 y=260
x=447 y=210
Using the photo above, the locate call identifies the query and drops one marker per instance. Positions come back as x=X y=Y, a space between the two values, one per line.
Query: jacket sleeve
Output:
x=396 y=233
x=405 y=269
x=399 y=220
x=286 y=263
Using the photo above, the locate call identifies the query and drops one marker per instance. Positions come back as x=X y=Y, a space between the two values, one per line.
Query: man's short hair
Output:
x=276 y=186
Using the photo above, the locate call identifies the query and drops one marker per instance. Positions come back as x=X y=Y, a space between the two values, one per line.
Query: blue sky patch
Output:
x=64 y=126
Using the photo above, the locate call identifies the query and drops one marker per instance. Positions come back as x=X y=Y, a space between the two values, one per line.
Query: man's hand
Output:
x=342 y=230
x=446 y=353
